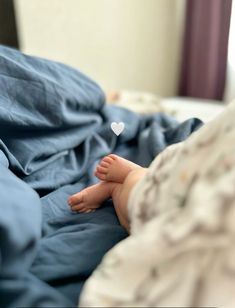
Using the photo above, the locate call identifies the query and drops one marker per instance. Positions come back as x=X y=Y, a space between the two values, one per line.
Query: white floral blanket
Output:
x=181 y=251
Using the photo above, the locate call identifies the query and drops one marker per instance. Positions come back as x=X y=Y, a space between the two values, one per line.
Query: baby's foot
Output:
x=114 y=168
x=89 y=199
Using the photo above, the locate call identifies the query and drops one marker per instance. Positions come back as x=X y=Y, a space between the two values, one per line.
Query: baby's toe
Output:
x=113 y=156
x=102 y=176
x=107 y=159
x=89 y=211
x=104 y=164
x=102 y=170
x=83 y=210
x=75 y=199
x=78 y=207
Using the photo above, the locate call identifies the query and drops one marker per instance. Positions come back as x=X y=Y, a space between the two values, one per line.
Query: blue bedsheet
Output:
x=54 y=128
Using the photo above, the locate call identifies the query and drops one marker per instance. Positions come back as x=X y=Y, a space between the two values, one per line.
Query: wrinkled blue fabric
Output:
x=54 y=128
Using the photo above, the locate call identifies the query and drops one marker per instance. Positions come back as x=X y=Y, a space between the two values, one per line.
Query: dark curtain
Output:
x=8 y=30
x=204 y=56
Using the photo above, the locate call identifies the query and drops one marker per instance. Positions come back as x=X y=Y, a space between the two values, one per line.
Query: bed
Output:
x=54 y=128
x=182 y=108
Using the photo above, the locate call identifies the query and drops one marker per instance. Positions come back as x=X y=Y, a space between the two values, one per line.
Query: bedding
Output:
x=181 y=249
x=182 y=108
x=54 y=128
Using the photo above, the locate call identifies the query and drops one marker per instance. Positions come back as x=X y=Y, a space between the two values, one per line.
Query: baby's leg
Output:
x=115 y=168
x=121 y=192
x=92 y=197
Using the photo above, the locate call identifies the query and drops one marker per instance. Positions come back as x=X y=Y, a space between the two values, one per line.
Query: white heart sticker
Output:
x=117 y=128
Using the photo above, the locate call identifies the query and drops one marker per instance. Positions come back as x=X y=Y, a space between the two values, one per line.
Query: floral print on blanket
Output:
x=181 y=251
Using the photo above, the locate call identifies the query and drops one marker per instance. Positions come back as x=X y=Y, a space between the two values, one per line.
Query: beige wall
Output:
x=122 y=44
